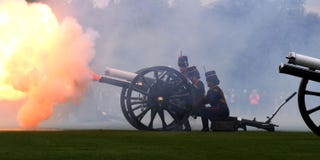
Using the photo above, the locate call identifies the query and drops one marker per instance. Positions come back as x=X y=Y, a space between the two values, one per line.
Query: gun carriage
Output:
x=155 y=98
x=308 y=69
x=161 y=98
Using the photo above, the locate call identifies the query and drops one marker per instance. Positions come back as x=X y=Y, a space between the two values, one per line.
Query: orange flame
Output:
x=42 y=62
x=95 y=77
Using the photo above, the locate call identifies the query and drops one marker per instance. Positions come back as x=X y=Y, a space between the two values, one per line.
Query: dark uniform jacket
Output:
x=217 y=101
x=198 y=92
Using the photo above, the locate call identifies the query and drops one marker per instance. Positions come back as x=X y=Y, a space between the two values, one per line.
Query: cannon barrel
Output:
x=115 y=77
x=120 y=78
x=115 y=82
x=300 y=72
x=301 y=66
x=302 y=60
x=120 y=74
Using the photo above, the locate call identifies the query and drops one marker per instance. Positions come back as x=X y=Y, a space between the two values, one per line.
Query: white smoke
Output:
x=312 y=6
x=101 y=4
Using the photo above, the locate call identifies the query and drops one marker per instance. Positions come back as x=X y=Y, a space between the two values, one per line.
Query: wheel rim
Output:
x=125 y=108
x=307 y=101
x=159 y=99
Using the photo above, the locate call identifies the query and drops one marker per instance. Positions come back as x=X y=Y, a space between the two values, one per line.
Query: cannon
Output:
x=154 y=98
x=308 y=69
x=160 y=98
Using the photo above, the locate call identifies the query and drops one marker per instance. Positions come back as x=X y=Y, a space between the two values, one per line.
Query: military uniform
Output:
x=215 y=98
x=218 y=105
x=183 y=65
x=198 y=91
x=199 y=101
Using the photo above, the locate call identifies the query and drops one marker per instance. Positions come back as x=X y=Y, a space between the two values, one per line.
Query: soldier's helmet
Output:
x=183 y=61
x=211 y=76
x=193 y=72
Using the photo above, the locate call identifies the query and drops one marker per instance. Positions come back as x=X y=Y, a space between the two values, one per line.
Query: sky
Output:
x=243 y=41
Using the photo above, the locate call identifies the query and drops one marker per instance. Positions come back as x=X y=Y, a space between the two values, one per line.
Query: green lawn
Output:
x=127 y=145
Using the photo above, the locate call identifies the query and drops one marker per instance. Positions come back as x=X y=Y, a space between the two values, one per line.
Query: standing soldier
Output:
x=215 y=98
x=198 y=95
x=183 y=65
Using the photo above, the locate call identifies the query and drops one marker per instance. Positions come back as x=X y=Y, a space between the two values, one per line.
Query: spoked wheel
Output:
x=159 y=98
x=309 y=100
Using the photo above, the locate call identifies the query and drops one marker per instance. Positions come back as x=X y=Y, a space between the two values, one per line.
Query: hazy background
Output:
x=243 y=40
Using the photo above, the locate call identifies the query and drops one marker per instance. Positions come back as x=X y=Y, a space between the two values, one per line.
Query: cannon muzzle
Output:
x=302 y=60
x=115 y=77
x=301 y=66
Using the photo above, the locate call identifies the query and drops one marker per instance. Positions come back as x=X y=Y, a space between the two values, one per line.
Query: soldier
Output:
x=198 y=94
x=215 y=98
x=183 y=65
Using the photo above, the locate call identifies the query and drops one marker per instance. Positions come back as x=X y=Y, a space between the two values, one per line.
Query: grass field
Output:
x=129 y=145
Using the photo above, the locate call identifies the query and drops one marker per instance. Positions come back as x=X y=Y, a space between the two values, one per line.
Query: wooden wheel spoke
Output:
x=145 y=82
x=161 y=114
x=177 y=85
x=135 y=88
x=138 y=102
x=137 y=107
x=170 y=77
x=142 y=114
x=171 y=112
x=134 y=98
x=153 y=115
x=156 y=75
x=312 y=93
x=162 y=74
x=313 y=110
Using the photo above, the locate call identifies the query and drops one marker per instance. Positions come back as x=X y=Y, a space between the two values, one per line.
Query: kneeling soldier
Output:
x=218 y=107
